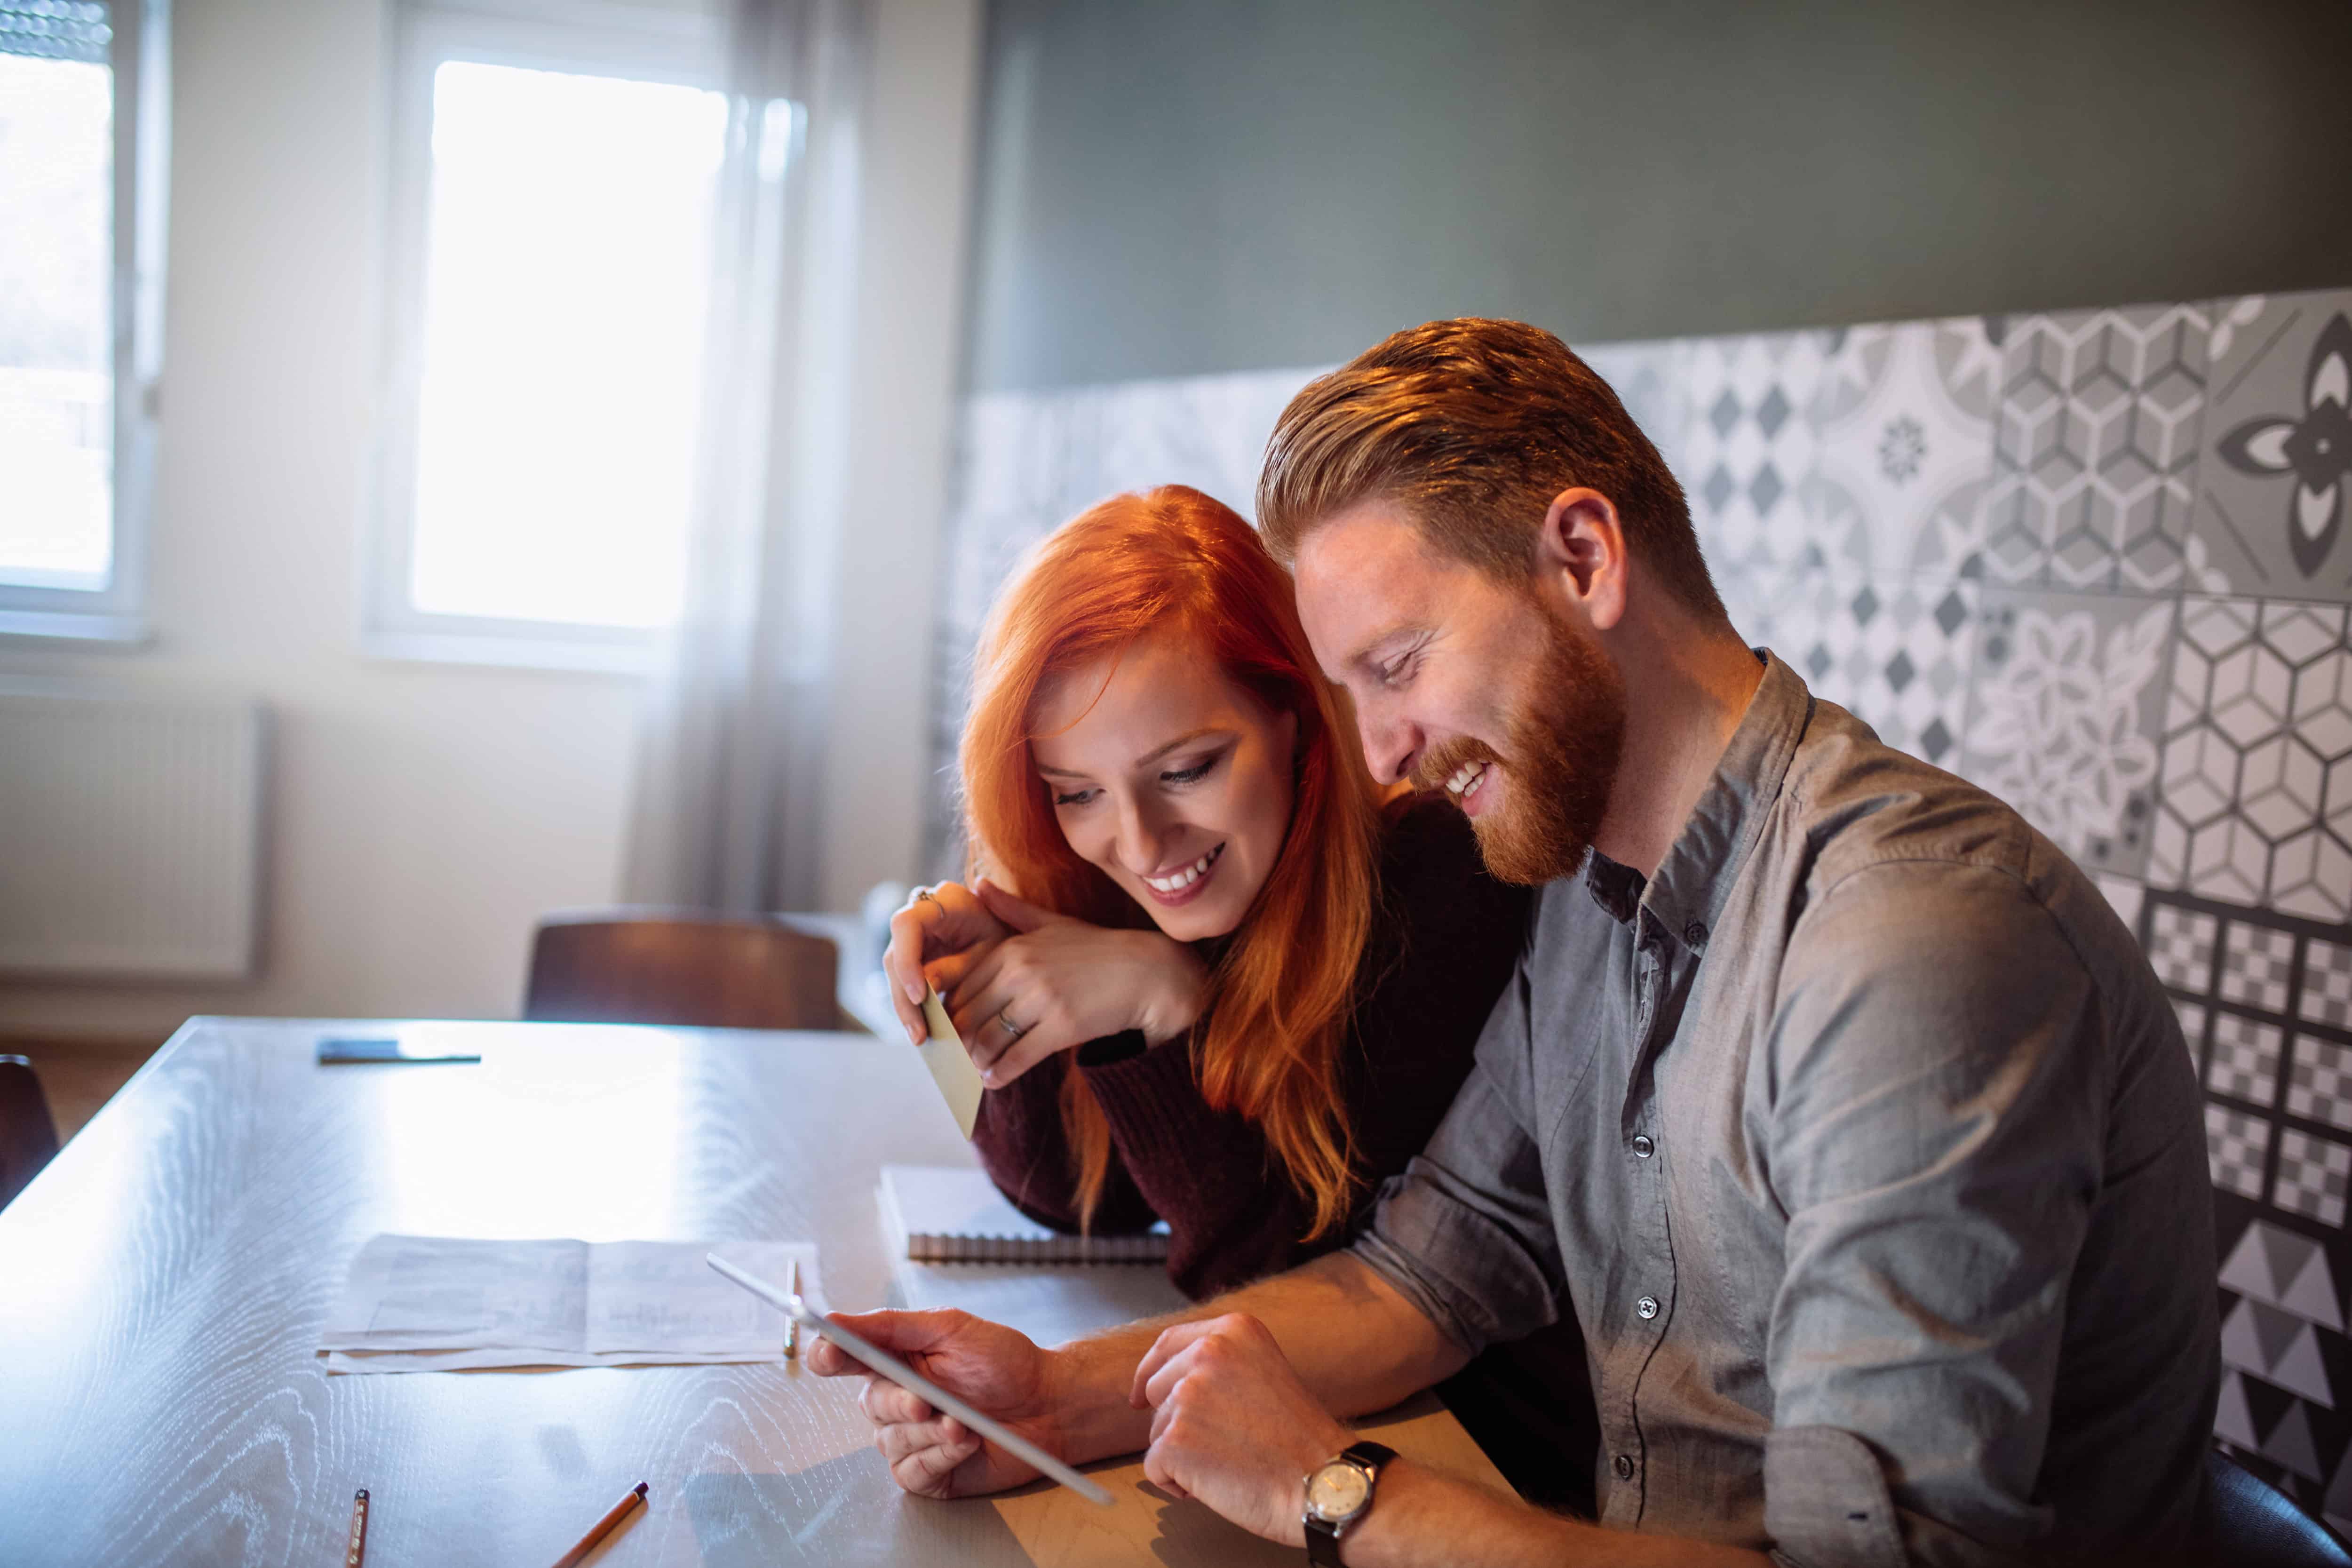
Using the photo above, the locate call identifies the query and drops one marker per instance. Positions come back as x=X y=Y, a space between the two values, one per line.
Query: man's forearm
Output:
x=1424 y=1519
x=1354 y=1340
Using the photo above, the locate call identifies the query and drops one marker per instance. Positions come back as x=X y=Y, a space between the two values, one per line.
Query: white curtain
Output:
x=730 y=752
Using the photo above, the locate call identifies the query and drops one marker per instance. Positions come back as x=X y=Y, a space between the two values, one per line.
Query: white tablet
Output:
x=913 y=1382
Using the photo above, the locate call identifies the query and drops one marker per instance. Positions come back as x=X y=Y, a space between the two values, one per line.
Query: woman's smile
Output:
x=1185 y=883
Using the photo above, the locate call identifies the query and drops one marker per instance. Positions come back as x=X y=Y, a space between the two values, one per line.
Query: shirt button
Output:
x=1643 y=1147
x=1623 y=1466
x=1695 y=933
x=1647 y=1306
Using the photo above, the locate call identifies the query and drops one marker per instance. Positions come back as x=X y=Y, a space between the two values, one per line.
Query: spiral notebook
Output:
x=949 y=1214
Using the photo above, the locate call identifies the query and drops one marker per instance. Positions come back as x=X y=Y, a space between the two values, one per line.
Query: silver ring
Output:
x=1005 y=1023
x=921 y=894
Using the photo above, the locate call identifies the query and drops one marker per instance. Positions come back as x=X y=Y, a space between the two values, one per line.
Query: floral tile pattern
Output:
x=1903 y=439
x=2256 y=802
x=2063 y=720
x=2096 y=448
x=2276 y=482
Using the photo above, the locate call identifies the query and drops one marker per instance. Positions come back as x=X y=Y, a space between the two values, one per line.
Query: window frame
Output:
x=139 y=56
x=626 y=42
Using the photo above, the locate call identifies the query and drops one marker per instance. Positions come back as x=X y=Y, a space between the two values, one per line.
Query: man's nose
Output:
x=1390 y=745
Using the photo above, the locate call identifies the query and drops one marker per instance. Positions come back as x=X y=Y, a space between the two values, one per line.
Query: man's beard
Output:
x=1564 y=736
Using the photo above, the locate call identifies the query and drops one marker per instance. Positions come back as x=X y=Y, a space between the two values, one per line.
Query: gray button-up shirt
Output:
x=1869 y=1154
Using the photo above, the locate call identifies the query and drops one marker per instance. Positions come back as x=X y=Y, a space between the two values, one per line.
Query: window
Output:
x=81 y=219
x=554 y=188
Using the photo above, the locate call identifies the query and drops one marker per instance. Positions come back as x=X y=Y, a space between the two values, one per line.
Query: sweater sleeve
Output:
x=1026 y=1151
x=1232 y=1215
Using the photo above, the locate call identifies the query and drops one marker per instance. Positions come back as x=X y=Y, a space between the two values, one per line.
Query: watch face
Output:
x=1335 y=1490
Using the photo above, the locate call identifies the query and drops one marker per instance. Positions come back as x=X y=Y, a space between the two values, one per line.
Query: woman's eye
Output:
x=1074 y=797
x=1193 y=774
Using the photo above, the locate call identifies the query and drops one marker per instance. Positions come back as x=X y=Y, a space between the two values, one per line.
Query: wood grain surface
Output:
x=163 y=1282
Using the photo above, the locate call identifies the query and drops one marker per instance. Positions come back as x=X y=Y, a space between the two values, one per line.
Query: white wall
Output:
x=918 y=175
x=421 y=816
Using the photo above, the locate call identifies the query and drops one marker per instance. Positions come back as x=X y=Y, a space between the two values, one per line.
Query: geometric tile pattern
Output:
x=2096 y=448
x=2237 y=1146
x=2067 y=705
x=1894 y=651
x=2254 y=967
x=2245 y=1061
x=2278 y=1122
x=2319 y=1085
x=2180 y=948
x=2274 y=508
x=2327 y=984
x=2255 y=805
x=2313 y=1173
x=1748 y=446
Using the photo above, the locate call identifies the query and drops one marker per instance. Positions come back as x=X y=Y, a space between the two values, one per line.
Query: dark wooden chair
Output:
x=684 y=968
x=29 y=1137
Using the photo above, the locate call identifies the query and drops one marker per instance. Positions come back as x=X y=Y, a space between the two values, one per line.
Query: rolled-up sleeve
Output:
x=1936 y=1129
x=1464 y=1232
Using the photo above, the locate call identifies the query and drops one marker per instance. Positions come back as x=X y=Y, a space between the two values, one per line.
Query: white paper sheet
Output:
x=447 y=1303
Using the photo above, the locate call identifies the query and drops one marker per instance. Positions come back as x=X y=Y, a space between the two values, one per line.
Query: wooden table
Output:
x=163 y=1282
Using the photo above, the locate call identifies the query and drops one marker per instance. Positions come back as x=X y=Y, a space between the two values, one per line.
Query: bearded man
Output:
x=1833 y=1099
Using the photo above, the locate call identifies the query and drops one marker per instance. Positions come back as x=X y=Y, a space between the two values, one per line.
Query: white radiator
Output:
x=129 y=832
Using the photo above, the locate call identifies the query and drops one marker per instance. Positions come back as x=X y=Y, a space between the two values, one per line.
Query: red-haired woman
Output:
x=1208 y=978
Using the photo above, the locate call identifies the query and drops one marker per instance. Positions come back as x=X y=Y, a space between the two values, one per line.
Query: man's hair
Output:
x=1471 y=427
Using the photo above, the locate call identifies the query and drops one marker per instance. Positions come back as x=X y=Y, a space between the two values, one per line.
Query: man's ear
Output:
x=1581 y=555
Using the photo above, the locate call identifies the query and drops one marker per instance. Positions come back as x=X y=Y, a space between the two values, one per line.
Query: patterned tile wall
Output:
x=2097 y=562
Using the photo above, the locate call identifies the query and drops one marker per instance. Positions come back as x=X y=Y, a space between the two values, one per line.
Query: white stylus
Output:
x=913 y=1382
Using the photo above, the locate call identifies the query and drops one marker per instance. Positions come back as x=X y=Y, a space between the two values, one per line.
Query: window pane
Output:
x=565 y=279
x=56 y=383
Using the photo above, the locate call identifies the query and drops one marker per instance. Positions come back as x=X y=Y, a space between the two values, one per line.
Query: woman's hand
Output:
x=1057 y=983
x=935 y=940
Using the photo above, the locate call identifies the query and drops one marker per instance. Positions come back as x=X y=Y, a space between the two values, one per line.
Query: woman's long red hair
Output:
x=1269 y=1045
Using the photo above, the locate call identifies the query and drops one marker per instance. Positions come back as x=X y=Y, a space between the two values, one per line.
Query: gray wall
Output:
x=1187 y=187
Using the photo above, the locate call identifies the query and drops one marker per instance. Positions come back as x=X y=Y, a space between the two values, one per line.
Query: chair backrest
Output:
x=681 y=968
x=2255 y=1526
x=29 y=1137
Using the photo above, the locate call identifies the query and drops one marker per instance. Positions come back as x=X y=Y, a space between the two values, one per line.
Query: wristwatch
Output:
x=1339 y=1493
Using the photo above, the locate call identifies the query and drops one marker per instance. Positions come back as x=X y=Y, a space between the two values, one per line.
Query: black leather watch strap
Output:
x=1322 y=1535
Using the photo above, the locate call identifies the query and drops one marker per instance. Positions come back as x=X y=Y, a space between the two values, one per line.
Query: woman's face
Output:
x=1176 y=781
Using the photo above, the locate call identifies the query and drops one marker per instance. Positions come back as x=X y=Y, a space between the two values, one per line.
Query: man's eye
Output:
x=1396 y=670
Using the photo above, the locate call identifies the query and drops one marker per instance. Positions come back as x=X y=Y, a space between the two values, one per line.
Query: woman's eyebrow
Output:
x=1144 y=761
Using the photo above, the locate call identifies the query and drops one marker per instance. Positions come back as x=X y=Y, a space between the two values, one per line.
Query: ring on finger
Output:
x=1012 y=1030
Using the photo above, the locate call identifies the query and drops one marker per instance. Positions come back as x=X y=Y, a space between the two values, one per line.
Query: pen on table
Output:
x=602 y=1528
x=791 y=1325
x=357 y=1548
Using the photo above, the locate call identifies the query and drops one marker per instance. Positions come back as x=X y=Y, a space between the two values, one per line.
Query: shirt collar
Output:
x=1703 y=863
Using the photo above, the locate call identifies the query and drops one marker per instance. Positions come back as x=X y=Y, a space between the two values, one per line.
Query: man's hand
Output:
x=998 y=1371
x=1233 y=1425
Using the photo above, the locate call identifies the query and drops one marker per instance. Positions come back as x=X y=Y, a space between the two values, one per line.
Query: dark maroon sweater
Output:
x=1446 y=942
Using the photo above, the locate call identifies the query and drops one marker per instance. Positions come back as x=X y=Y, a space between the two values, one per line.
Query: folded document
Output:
x=423 y=1303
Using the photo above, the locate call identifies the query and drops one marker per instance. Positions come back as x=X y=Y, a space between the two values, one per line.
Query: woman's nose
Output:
x=1141 y=832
